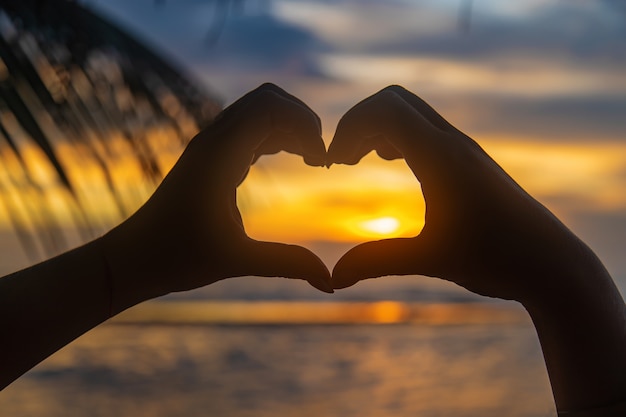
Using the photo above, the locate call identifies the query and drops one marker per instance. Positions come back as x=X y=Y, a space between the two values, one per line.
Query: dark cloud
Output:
x=617 y=5
x=569 y=32
x=570 y=35
x=552 y=119
x=168 y=27
x=267 y=44
x=195 y=33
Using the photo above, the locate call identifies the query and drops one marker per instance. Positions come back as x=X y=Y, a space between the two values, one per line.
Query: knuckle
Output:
x=265 y=100
x=266 y=95
x=268 y=86
x=271 y=88
x=395 y=88
x=387 y=95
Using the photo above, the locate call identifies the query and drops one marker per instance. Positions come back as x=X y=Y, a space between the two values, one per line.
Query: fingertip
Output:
x=290 y=261
x=314 y=151
x=336 y=155
x=340 y=148
x=314 y=160
x=341 y=281
x=375 y=259
x=314 y=271
x=344 y=273
x=350 y=144
x=323 y=286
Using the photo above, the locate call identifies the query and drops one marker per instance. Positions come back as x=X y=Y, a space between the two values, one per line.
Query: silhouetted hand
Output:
x=190 y=233
x=482 y=231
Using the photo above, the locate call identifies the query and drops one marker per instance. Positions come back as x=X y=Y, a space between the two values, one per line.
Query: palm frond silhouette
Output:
x=77 y=90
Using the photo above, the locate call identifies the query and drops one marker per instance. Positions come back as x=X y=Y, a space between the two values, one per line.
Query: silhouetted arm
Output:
x=189 y=234
x=582 y=330
x=46 y=306
x=485 y=233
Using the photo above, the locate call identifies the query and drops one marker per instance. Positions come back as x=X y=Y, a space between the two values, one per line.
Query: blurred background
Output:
x=99 y=98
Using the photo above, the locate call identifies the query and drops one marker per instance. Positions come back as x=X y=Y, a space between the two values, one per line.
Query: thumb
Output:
x=376 y=259
x=270 y=259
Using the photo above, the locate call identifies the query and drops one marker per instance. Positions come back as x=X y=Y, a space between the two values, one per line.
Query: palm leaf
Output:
x=63 y=70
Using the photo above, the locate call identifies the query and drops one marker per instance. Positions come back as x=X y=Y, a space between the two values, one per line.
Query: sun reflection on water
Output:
x=318 y=312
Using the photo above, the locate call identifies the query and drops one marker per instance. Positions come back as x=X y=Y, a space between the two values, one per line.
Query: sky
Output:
x=538 y=84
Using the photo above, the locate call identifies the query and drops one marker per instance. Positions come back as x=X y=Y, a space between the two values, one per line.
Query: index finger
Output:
x=423 y=108
x=269 y=120
x=240 y=103
x=264 y=121
x=384 y=119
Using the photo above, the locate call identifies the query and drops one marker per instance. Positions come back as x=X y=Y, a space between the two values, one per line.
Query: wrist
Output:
x=581 y=326
x=582 y=294
x=569 y=273
x=132 y=274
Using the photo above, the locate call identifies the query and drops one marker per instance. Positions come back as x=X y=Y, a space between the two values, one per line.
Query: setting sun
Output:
x=382 y=225
x=284 y=200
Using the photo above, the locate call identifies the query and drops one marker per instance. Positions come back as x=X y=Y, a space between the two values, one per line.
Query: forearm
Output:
x=582 y=331
x=46 y=306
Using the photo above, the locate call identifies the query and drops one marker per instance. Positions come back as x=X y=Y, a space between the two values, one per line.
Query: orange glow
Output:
x=381 y=226
x=307 y=312
x=283 y=199
x=588 y=175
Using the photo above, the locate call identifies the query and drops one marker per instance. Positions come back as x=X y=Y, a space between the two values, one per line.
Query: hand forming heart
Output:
x=482 y=231
x=478 y=220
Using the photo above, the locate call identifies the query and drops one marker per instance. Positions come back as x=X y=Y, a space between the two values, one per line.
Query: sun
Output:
x=381 y=226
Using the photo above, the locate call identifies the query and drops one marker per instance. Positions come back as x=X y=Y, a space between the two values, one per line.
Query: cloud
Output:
x=254 y=45
x=564 y=119
x=577 y=31
x=264 y=43
x=510 y=76
x=543 y=70
x=251 y=42
x=176 y=29
x=617 y=5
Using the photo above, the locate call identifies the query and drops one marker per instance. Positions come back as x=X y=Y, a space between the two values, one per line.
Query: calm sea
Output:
x=429 y=367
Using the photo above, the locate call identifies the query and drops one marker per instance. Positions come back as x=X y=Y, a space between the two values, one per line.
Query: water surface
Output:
x=290 y=370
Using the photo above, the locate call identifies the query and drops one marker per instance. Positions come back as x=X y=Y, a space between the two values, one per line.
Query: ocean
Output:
x=430 y=368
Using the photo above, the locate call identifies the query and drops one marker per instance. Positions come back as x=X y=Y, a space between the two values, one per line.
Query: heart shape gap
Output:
x=284 y=200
